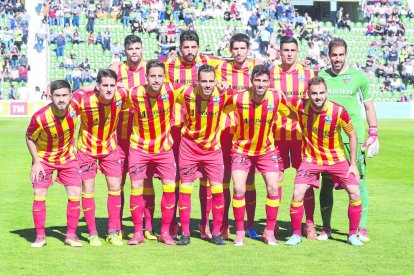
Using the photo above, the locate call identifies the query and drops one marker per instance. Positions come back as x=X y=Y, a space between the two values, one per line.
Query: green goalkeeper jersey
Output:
x=349 y=89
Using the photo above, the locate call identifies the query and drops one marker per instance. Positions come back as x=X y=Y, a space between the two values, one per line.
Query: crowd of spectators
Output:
x=390 y=59
x=14 y=64
x=65 y=22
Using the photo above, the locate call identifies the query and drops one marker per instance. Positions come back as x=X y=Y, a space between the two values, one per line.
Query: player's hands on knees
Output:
x=36 y=172
x=353 y=169
x=371 y=145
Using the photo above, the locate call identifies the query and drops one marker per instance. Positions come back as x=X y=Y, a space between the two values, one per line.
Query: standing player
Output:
x=254 y=147
x=183 y=70
x=346 y=87
x=150 y=148
x=292 y=79
x=50 y=140
x=236 y=75
x=324 y=152
x=99 y=110
x=200 y=146
x=132 y=74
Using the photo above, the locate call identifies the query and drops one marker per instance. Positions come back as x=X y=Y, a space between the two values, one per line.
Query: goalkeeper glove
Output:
x=372 y=143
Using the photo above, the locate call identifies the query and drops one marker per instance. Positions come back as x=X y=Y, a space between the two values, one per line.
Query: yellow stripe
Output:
x=168 y=188
x=148 y=191
x=74 y=198
x=296 y=203
x=272 y=202
x=137 y=192
x=355 y=202
x=114 y=193
x=226 y=186
x=186 y=189
x=239 y=203
x=280 y=184
x=87 y=195
x=217 y=189
x=40 y=198
x=250 y=187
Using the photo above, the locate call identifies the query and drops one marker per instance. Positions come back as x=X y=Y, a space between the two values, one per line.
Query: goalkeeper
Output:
x=349 y=87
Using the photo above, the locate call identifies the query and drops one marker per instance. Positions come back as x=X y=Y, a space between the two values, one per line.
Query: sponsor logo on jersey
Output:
x=328 y=119
x=72 y=114
x=346 y=79
x=216 y=100
x=164 y=97
x=270 y=107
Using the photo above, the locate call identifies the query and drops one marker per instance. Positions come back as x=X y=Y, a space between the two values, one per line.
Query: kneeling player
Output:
x=254 y=146
x=323 y=150
x=50 y=139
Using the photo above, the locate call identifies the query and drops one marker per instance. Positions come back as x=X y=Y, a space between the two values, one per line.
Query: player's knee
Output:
x=298 y=195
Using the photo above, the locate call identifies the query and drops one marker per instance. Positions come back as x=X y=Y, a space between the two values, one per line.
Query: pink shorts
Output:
x=123 y=152
x=193 y=160
x=110 y=165
x=291 y=153
x=308 y=173
x=143 y=165
x=68 y=174
x=268 y=162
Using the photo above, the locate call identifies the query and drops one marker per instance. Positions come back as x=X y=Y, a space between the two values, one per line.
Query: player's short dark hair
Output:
x=58 y=84
x=316 y=80
x=131 y=39
x=337 y=42
x=205 y=68
x=189 y=36
x=154 y=63
x=287 y=39
x=106 y=73
x=259 y=70
x=239 y=38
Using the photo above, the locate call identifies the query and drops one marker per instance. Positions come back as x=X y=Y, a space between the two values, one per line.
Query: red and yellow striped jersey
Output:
x=97 y=134
x=203 y=117
x=293 y=85
x=322 y=142
x=130 y=79
x=53 y=136
x=254 y=132
x=151 y=130
x=180 y=73
x=238 y=80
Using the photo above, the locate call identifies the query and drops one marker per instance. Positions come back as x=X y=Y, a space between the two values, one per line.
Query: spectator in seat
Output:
x=23 y=73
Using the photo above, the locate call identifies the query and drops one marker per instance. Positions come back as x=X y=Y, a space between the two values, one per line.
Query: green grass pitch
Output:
x=391 y=225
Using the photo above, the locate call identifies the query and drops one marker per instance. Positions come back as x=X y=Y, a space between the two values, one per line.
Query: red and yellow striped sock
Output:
x=72 y=215
x=354 y=215
x=39 y=215
x=296 y=215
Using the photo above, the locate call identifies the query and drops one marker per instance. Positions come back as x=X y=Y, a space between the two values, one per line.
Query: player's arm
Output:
x=31 y=134
x=230 y=104
x=372 y=142
x=344 y=121
x=286 y=108
x=353 y=144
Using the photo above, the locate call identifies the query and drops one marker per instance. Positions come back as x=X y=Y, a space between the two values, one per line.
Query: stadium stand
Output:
x=380 y=44
x=14 y=63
